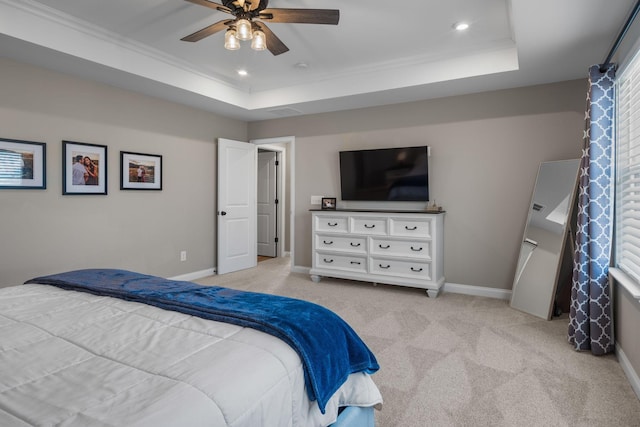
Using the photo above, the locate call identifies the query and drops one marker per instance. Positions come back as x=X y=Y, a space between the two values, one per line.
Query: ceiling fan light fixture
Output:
x=244 y=13
x=243 y=29
x=259 y=41
x=231 y=42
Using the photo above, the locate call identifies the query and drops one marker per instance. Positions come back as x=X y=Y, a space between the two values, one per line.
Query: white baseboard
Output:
x=480 y=291
x=195 y=275
x=453 y=288
x=631 y=374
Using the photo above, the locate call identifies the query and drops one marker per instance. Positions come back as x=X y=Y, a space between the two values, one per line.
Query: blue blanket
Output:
x=329 y=348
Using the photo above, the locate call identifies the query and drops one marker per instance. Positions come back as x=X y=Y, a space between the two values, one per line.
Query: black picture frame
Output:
x=328 y=203
x=23 y=164
x=140 y=171
x=91 y=157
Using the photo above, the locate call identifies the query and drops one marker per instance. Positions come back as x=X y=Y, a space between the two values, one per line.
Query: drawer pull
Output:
x=355 y=245
x=369 y=226
x=416 y=270
x=416 y=250
x=384 y=266
x=331 y=243
x=328 y=261
x=355 y=262
x=332 y=224
x=406 y=227
x=384 y=247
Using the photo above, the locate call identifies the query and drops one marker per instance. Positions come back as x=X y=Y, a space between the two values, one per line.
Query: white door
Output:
x=267 y=206
x=237 y=179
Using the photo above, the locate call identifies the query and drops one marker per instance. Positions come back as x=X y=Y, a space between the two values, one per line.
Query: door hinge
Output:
x=276 y=202
x=277 y=163
x=276 y=240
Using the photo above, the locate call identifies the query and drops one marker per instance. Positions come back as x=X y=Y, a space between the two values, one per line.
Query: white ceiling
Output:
x=381 y=52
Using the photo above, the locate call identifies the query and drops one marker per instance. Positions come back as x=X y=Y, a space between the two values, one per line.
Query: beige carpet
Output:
x=461 y=360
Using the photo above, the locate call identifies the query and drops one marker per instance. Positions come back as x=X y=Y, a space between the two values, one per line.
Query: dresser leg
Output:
x=433 y=293
x=315 y=278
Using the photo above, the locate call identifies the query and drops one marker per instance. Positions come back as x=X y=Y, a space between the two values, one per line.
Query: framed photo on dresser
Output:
x=328 y=203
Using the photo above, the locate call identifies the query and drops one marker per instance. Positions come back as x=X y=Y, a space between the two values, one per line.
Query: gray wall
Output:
x=486 y=150
x=45 y=232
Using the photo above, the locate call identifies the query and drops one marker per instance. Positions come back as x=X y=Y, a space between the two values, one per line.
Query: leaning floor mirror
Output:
x=545 y=236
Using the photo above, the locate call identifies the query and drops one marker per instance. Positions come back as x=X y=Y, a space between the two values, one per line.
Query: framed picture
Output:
x=22 y=164
x=84 y=168
x=328 y=203
x=140 y=171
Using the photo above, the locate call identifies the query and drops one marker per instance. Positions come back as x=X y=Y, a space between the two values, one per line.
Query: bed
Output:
x=90 y=354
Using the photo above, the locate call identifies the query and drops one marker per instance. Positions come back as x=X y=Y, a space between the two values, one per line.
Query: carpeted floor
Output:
x=461 y=360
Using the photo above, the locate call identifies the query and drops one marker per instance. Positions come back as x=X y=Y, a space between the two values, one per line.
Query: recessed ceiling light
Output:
x=243 y=73
x=460 y=26
x=302 y=65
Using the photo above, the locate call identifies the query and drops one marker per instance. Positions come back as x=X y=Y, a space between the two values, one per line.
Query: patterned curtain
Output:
x=590 y=317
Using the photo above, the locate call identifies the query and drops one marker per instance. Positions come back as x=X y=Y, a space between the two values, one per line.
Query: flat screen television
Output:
x=388 y=174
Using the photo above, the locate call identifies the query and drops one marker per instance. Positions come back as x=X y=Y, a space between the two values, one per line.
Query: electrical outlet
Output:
x=183 y=255
x=316 y=200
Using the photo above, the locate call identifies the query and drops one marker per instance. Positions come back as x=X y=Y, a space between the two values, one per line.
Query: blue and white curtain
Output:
x=590 y=317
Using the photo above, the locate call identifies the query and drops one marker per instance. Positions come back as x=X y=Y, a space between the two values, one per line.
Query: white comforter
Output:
x=75 y=359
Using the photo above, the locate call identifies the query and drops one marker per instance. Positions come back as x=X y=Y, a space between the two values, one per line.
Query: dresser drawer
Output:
x=369 y=225
x=352 y=244
x=411 y=227
x=412 y=269
x=403 y=248
x=341 y=262
x=335 y=224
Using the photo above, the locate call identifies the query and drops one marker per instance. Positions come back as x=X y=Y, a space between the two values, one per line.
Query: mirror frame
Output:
x=539 y=311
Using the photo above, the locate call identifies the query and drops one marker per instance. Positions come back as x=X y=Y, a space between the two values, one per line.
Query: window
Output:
x=627 y=188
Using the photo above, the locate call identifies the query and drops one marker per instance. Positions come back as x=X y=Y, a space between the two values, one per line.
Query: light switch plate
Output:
x=316 y=200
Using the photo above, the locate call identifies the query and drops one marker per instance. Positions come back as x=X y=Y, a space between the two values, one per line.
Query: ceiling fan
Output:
x=249 y=23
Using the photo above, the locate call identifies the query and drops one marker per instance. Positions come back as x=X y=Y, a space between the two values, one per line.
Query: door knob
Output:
x=223 y=213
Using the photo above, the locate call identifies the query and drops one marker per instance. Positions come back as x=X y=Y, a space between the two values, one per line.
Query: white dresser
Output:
x=397 y=248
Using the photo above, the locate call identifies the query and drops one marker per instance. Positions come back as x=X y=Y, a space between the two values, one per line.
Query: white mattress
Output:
x=75 y=359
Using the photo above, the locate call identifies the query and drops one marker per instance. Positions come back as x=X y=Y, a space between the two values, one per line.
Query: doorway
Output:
x=284 y=147
x=267 y=203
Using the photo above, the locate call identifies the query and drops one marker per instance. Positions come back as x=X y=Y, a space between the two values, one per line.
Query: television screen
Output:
x=393 y=174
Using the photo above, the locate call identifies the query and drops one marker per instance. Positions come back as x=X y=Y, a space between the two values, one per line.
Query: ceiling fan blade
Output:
x=210 y=4
x=301 y=16
x=207 y=31
x=274 y=44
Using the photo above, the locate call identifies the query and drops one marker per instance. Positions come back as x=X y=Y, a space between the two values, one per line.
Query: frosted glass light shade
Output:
x=231 y=41
x=259 y=41
x=243 y=29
